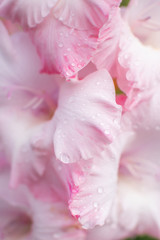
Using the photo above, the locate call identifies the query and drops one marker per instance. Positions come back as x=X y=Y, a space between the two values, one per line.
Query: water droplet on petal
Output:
x=95 y=204
x=107 y=132
x=60 y=45
x=115 y=121
x=71 y=31
x=64 y=158
x=61 y=19
x=100 y=190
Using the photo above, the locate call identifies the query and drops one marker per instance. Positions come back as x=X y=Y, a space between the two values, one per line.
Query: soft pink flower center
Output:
x=18 y=227
x=146 y=25
x=147 y=34
x=27 y=99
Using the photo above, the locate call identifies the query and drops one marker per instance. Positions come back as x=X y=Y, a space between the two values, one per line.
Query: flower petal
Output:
x=141 y=157
x=66 y=50
x=73 y=15
x=87 y=115
x=69 y=48
x=54 y=221
x=144 y=20
x=138 y=68
x=26 y=12
x=24 y=216
x=25 y=107
x=107 y=50
x=94 y=187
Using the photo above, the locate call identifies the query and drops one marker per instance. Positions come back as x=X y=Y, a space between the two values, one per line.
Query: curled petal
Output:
x=73 y=15
x=66 y=50
x=141 y=157
x=28 y=218
x=94 y=188
x=71 y=41
x=139 y=55
x=26 y=12
x=108 y=43
x=87 y=115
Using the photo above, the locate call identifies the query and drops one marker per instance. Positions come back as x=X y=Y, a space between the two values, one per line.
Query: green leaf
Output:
x=124 y=3
x=141 y=238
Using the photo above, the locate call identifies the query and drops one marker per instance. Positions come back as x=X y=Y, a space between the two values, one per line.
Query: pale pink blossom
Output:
x=43 y=118
x=27 y=218
x=108 y=43
x=136 y=207
x=139 y=54
x=65 y=34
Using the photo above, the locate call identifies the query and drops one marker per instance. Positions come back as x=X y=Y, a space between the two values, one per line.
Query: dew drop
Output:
x=115 y=121
x=60 y=45
x=107 y=132
x=71 y=31
x=100 y=190
x=79 y=66
x=61 y=19
x=129 y=76
x=95 y=204
x=85 y=226
x=64 y=158
x=68 y=74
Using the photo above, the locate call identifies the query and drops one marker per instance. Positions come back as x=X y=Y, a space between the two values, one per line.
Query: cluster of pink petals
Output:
x=77 y=161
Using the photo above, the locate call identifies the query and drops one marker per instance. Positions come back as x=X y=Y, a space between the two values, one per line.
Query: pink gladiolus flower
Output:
x=108 y=43
x=77 y=161
x=139 y=55
x=65 y=35
x=26 y=218
x=74 y=122
x=136 y=207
